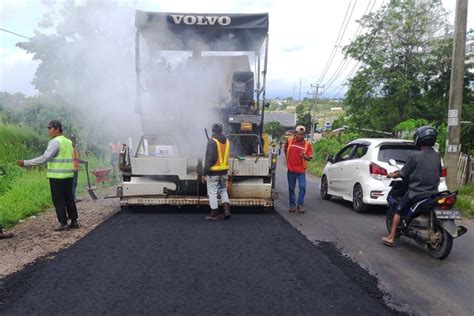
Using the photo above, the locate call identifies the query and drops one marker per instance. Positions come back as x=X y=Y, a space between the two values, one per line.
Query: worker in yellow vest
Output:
x=59 y=157
x=216 y=167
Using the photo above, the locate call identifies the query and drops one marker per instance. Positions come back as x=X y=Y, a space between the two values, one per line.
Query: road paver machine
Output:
x=193 y=70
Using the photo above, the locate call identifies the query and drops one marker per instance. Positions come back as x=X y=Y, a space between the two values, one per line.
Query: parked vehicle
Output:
x=429 y=220
x=357 y=172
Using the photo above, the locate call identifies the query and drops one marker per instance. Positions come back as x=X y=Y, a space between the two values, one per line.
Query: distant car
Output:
x=358 y=172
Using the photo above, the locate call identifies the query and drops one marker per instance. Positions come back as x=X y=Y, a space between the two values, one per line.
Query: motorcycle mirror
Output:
x=392 y=162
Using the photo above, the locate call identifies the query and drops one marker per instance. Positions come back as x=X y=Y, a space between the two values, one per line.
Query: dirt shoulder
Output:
x=35 y=238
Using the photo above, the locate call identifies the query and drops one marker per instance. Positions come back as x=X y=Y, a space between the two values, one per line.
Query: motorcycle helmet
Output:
x=425 y=135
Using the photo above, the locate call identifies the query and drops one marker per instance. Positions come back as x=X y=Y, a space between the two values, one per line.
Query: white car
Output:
x=358 y=172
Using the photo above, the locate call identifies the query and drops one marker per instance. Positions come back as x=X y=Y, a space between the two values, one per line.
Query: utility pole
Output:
x=299 y=97
x=453 y=145
x=316 y=94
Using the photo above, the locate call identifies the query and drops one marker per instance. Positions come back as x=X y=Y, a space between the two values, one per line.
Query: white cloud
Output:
x=17 y=72
x=302 y=33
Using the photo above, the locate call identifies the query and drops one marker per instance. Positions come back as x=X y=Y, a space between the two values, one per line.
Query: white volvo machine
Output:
x=192 y=70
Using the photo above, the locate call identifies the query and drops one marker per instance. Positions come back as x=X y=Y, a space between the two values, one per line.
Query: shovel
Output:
x=89 y=188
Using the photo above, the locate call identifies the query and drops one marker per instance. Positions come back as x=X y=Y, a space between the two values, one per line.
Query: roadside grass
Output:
x=25 y=191
x=465 y=200
x=316 y=167
x=327 y=146
x=28 y=196
x=29 y=192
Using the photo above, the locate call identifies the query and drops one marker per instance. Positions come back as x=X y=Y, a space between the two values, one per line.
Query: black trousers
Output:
x=63 y=199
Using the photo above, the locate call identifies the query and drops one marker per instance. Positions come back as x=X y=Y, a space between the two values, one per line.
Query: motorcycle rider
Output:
x=422 y=171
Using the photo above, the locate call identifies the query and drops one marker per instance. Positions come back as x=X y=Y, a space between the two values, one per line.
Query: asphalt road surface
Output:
x=173 y=262
x=170 y=261
x=415 y=281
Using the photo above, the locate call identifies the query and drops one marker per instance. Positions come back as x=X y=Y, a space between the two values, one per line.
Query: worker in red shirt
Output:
x=298 y=152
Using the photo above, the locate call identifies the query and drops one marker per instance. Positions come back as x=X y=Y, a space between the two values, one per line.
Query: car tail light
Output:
x=444 y=172
x=447 y=203
x=377 y=172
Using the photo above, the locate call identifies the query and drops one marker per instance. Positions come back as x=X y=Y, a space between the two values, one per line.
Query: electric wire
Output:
x=5 y=30
x=340 y=69
x=333 y=52
x=358 y=65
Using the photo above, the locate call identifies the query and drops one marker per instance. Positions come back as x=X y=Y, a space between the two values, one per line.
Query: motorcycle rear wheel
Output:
x=440 y=247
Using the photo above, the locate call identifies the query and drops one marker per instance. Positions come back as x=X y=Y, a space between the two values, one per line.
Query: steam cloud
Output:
x=180 y=93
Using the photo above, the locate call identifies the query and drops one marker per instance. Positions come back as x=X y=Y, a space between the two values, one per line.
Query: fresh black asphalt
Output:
x=173 y=262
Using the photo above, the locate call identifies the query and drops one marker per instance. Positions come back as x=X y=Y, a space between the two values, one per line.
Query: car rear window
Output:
x=398 y=152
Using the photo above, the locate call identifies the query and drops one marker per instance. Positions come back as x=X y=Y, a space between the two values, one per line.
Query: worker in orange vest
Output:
x=216 y=167
x=298 y=152
x=76 y=161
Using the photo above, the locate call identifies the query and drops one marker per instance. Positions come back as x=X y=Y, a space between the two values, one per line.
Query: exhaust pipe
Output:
x=461 y=230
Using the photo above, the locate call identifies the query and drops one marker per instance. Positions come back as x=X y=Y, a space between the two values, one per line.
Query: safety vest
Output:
x=62 y=166
x=222 y=163
x=75 y=160
x=306 y=145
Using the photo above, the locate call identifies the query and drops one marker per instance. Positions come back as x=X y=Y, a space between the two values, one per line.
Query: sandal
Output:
x=387 y=242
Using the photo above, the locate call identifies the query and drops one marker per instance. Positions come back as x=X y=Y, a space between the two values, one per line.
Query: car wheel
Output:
x=324 y=189
x=358 y=199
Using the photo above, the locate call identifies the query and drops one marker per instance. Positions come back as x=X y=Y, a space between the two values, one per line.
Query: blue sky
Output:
x=302 y=36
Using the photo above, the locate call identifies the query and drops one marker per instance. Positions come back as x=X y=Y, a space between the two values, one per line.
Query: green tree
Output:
x=85 y=52
x=304 y=120
x=274 y=129
x=405 y=59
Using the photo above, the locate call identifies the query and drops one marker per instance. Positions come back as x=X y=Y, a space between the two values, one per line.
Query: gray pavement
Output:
x=415 y=281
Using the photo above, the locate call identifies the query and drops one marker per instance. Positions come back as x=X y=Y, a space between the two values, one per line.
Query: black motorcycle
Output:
x=429 y=220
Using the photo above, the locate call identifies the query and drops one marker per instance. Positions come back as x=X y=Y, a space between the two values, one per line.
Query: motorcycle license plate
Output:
x=448 y=214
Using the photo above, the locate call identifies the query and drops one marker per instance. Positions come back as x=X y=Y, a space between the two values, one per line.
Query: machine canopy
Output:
x=202 y=31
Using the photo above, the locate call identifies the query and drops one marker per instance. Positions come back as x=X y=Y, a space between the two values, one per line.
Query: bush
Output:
x=28 y=196
x=25 y=191
x=17 y=143
x=465 y=200
x=328 y=146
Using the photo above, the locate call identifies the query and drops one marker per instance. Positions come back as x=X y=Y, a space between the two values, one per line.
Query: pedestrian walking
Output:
x=216 y=167
x=298 y=152
x=76 y=161
x=4 y=235
x=59 y=158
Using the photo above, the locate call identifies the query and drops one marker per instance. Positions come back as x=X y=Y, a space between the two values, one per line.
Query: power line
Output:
x=343 y=63
x=356 y=66
x=15 y=33
x=353 y=70
x=339 y=38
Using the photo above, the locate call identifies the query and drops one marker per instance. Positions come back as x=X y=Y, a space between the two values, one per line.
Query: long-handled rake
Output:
x=89 y=188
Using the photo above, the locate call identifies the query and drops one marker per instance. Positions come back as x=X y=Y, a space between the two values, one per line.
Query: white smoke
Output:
x=179 y=94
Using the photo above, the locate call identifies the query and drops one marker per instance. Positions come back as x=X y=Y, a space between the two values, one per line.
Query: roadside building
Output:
x=288 y=120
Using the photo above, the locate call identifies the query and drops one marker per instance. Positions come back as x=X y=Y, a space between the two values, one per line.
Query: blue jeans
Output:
x=292 y=177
